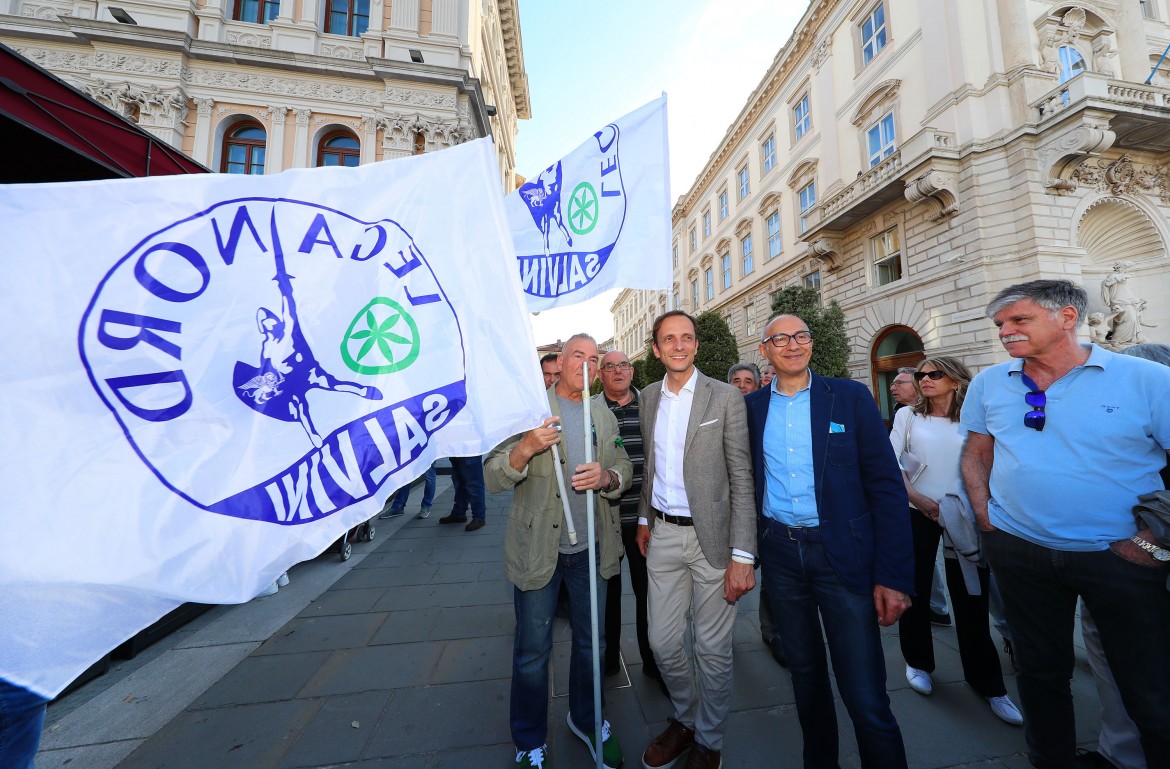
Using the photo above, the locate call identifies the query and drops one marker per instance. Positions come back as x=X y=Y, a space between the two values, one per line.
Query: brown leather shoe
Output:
x=704 y=758
x=668 y=746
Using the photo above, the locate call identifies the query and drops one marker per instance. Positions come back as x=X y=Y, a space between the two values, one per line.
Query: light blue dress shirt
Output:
x=790 y=491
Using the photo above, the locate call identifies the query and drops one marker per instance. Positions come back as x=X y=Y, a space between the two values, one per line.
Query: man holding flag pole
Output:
x=538 y=555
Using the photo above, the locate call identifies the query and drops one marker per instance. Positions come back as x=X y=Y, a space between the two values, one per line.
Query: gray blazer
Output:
x=718 y=467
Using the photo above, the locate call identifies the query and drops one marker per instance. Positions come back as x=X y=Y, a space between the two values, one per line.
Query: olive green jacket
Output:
x=532 y=542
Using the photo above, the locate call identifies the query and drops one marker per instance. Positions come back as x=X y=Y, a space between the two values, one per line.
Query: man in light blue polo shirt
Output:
x=1061 y=441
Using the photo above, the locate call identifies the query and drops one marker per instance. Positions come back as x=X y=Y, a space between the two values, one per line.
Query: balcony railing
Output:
x=1102 y=92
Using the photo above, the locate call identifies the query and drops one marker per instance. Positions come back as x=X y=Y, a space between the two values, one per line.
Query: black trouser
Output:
x=980 y=660
x=613 y=604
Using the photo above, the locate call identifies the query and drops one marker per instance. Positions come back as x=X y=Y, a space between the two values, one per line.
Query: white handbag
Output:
x=911 y=464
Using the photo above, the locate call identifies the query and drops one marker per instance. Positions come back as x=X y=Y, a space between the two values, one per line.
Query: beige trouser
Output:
x=681 y=579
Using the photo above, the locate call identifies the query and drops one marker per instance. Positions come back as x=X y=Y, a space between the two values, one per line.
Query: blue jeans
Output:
x=467 y=478
x=400 y=498
x=1131 y=606
x=805 y=592
x=22 y=714
x=533 y=647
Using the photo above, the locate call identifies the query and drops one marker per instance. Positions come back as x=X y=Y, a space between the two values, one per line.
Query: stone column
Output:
x=404 y=16
x=1133 y=51
x=274 y=151
x=301 y=152
x=370 y=140
x=822 y=102
x=202 y=150
x=1014 y=32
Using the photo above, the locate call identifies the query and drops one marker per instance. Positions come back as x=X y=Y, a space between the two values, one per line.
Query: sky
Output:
x=589 y=63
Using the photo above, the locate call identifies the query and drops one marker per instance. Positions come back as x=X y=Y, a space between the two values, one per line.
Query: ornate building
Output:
x=910 y=158
x=257 y=86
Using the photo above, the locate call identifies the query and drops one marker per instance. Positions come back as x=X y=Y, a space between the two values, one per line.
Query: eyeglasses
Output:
x=935 y=375
x=900 y=382
x=1035 y=418
x=616 y=367
x=782 y=340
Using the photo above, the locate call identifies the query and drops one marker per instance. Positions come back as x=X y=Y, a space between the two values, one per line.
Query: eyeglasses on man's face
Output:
x=611 y=367
x=782 y=340
x=900 y=382
x=935 y=375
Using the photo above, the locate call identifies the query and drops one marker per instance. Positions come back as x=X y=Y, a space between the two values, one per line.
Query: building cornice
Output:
x=514 y=55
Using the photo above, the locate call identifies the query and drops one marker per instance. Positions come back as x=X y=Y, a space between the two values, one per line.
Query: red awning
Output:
x=56 y=133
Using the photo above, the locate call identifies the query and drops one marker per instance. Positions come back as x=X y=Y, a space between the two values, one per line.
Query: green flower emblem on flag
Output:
x=381 y=339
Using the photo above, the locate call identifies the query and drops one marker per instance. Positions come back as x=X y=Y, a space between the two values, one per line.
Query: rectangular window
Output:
x=256 y=11
x=706 y=224
x=801 y=119
x=347 y=17
x=744 y=185
x=769 y=153
x=694 y=294
x=745 y=247
x=879 y=140
x=749 y=319
x=723 y=205
x=808 y=199
x=873 y=33
x=1147 y=10
x=674 y=254
x=694 y=241
x=813 y=281
x=726 y=271
x=677 y=300
x=887 y=257
x=710 y=277
x=775 y=245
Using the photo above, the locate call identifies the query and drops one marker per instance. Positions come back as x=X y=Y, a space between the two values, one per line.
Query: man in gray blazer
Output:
x=698 y=495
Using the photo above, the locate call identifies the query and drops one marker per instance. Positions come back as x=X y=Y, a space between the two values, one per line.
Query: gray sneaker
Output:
x=424 y=512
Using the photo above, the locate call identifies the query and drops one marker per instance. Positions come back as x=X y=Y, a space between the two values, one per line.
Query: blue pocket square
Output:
x=834 y=427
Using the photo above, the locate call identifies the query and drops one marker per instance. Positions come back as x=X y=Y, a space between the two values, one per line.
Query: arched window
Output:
x=347 y=17
x=256 y=11
x=243 y=149
x=1071 y=63
x=893 y=348
x=338 y=149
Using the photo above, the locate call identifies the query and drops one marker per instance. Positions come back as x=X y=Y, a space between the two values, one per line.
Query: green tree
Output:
x=717 y=348
x=653 y=370
x=830 y=355
x=640 y=380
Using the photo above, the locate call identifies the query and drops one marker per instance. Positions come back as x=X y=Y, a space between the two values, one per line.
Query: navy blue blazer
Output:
x=861 y=499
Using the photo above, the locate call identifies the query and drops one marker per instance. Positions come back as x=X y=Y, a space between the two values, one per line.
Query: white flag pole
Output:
x=564 y=494
x=589 y=524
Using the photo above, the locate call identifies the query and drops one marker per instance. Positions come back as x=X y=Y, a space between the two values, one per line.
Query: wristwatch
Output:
x=1157 y=553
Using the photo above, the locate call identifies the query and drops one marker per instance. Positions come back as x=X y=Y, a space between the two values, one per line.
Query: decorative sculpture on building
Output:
x=1125 y=309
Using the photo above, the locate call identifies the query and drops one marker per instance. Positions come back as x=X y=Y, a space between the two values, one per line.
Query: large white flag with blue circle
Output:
x=598 y=218
x=208 y=379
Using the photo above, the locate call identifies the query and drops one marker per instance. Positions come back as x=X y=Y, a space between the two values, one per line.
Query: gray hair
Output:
x=906 y=370
x=1158 y=353
x=575 y=337
x=773 y=319
x=751 y=368
x=1052 y=295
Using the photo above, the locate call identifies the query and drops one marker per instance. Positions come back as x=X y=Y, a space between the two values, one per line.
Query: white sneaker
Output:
x=1006 y=710
x=424 y=512
x=919 y=680
x=270 y=590
x=282 y=580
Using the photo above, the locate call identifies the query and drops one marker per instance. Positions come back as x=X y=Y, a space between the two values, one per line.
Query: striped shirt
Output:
x=631 y=432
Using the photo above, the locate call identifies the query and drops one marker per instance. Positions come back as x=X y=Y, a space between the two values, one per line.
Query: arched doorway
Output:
x=893 y=348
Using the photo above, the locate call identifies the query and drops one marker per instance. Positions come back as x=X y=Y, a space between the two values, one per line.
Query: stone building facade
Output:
x=910 y=158
x=258 y=86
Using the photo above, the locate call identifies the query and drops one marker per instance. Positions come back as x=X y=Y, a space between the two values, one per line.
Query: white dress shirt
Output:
x=670 y=438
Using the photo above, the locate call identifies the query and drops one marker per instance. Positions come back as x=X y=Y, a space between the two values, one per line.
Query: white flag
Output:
x=210 y=378
x=598 y=218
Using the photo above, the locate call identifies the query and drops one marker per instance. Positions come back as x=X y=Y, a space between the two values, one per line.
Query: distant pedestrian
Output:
x=767 y=374
x=745 y=377
x=467 y=479
x=550 y=367
x=396 y=505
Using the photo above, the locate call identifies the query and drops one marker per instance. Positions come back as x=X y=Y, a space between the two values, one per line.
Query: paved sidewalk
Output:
x=404 y=661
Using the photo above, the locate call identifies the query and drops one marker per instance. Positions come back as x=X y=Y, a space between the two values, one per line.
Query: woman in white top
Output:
x=930 y=432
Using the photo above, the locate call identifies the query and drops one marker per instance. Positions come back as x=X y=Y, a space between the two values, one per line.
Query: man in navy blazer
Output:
x=834 y=540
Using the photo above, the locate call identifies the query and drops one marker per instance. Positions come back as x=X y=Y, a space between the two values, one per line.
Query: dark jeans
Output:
x=534 y=623
x=402 y=496
x=613 y=604
x=976 y=650
x=805 y=592
x=1131 y=606
x=22 y=714
x=467 y=478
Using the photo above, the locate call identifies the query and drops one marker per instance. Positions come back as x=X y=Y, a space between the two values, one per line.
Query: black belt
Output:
x=797 y=533
x=677 y=520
